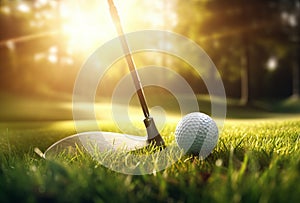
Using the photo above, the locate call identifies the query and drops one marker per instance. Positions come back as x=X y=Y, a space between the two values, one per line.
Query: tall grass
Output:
x=254 y=161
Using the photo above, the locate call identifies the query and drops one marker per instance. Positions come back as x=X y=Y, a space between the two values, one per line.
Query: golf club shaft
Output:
x=129 y=59
x=152 y=132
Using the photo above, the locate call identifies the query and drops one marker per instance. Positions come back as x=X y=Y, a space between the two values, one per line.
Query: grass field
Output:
x=256 y=160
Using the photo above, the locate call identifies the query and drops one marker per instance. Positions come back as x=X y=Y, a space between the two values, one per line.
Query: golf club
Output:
x=97 y=141
x=152 y=132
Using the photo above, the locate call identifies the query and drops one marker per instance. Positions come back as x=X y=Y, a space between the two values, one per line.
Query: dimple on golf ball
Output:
x=197 y=133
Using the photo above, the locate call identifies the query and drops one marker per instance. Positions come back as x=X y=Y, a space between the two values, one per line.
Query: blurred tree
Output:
x=290 y=14
x=234 y=34
x=240 y=36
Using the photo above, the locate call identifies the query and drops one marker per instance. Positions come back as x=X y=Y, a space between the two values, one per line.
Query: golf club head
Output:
x=153 y=136
x=94 y=142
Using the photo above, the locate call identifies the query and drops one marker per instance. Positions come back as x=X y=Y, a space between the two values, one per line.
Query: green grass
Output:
x=256 y=160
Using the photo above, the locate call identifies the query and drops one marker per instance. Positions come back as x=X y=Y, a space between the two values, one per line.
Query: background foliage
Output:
x=254 y=44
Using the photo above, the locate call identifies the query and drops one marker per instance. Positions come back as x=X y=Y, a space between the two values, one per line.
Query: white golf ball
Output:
x=197 y=133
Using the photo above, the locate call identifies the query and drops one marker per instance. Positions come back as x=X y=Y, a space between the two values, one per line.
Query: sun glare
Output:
x=24 y=8
x=83 y=25
x=88 y=25
x=52 y=58
x=272 y=63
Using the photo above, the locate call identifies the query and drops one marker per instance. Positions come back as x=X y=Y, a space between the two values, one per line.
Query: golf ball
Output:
x=197 y=133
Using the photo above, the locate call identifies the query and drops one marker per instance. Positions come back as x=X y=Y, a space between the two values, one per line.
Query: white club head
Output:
x=96 y=141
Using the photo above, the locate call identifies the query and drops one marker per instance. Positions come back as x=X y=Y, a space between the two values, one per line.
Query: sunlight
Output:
x=53 y=49
x=272 y=63
x=40 y=3
x=52 y=58
x=5 y=9
x=163 y=15
x=87 y=26
x=82 y=25
x=289 y=18
x=24 y=8
x=10 y=45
